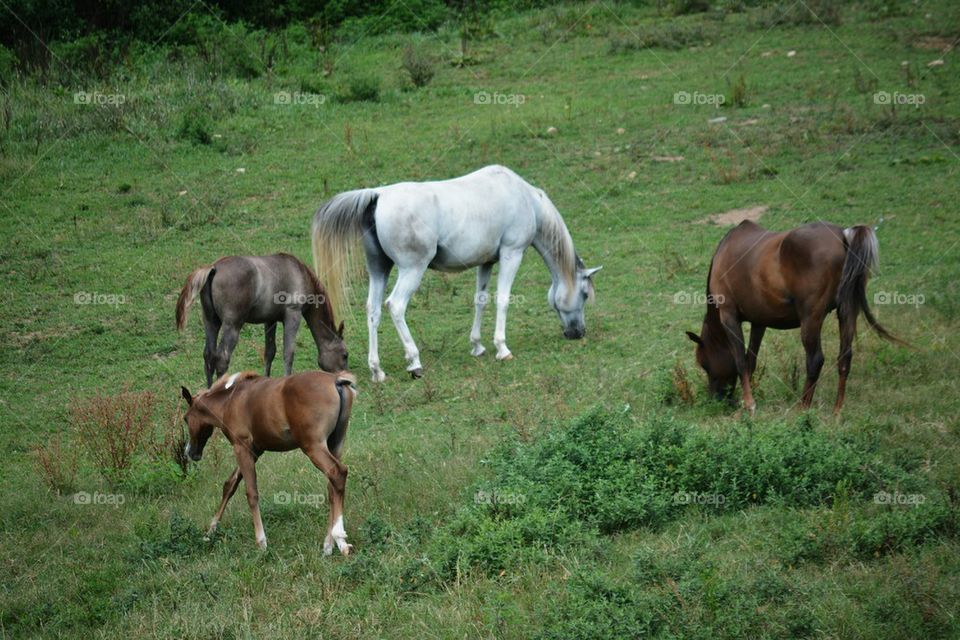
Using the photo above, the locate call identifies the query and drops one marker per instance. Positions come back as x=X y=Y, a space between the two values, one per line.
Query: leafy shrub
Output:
x=360 y=88
x=195 y=127
x=739 y=95
x=111 y=428
x=664 y=36
x=419 y=66
x=685 y=7
x=809 y=13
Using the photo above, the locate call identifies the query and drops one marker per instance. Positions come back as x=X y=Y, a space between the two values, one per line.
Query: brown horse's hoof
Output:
x=417 y=373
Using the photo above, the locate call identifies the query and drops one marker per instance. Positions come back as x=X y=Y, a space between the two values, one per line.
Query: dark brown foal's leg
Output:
x=247 y=462
x=229 y=488
x=269 y=346
x=291 y=322
x=735 y=332
x=848 y=330
x=211 y=328
x=810 y=327
x=336 y=473
x=756 y=337
x=228 y=342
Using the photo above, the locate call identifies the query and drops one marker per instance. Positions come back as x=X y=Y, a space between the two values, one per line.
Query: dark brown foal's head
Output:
x=716 y=359
x=200 y=425
x=332 y=356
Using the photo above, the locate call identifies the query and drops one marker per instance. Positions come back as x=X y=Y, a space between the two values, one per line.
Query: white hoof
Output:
x=506 y=355
x=477 y=350
x=378 y=376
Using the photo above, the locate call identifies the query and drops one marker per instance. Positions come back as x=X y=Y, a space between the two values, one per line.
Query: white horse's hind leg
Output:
x=378 y=283
x=483 y=279
x=408 y=280
x=509 y=265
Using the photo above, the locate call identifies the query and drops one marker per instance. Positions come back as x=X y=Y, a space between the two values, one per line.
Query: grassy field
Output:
x=612 y=110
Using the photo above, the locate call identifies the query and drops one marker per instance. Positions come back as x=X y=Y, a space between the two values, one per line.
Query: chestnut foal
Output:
x=309 y=411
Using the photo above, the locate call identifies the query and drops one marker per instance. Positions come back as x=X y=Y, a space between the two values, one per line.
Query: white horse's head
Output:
x=568 y=301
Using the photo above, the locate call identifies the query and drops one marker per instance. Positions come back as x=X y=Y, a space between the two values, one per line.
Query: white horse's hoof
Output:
x=477 y=350
x=505 y=356
x=416 y=373
x=346 y=549
x=378 y=376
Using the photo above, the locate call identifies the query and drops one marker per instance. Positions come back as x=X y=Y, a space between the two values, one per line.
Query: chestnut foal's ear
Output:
x=186 y=395
x=340 y=330
x=695 y=338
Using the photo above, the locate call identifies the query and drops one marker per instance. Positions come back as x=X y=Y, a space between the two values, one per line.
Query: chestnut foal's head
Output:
x=200 y=424
x=716 y=359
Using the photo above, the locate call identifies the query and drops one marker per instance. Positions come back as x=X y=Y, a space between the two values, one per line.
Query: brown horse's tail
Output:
x=191 y=289
x=337 y=226
x=863 y=256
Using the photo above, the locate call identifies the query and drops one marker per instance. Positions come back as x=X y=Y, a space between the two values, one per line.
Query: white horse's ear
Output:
x=589 y=272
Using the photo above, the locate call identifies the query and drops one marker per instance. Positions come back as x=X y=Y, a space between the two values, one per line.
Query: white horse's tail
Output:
x=337 y=226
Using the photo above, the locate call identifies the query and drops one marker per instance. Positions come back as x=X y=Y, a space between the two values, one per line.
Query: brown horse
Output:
x=309 y=411
x=261 y=290
x=784 y=281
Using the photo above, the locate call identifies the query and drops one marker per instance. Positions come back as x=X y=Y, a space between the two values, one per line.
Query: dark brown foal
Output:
x=784 y=281
x=309 y=411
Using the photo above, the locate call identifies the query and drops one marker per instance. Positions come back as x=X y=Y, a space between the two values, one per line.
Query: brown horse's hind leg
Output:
x=810 y=328
x=848 y=330
x=336 y=473
x=229 y=488
x=735 y=332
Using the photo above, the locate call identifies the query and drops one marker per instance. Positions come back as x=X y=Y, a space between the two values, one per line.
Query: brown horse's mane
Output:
x=325 y=307
x=221 y=383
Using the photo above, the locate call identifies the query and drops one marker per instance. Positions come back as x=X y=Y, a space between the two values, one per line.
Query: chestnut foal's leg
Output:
x=810 y=327
x=229 y=488
x=246 y=462
x=735 y=332
x=336 y=473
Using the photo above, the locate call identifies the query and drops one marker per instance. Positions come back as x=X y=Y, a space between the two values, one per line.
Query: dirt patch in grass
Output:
x=735 y=216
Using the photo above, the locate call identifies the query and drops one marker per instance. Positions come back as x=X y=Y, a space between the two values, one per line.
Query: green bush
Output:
x=360 y=87
x=418 y=65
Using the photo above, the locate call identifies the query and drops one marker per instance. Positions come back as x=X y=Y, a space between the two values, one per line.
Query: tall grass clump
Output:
x=110 y=429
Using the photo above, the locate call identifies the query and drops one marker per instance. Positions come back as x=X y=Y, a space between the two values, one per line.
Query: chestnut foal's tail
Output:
x=191 y=289
x=863 y=256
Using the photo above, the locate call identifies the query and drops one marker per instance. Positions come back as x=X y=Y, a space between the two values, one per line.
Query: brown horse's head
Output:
x=200 y=425
x=716 y=359
x=332 y=351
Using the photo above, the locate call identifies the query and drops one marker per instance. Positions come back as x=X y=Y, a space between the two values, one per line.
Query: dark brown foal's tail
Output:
x=191 y=289
x=863 y=256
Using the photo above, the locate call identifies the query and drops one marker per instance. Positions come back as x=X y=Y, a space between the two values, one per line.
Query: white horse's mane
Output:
x=556 y=240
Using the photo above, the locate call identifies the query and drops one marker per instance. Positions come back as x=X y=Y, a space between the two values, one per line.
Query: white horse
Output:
x=476 y=220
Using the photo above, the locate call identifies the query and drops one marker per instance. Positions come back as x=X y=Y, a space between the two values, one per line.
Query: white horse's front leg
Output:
x=480 y=301
x=408 y=280
x=378 y=282
x=509 y=264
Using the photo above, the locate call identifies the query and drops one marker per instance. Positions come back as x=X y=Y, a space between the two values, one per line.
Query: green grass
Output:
x=126 y=200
